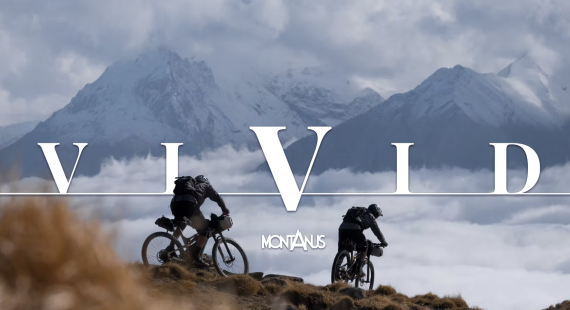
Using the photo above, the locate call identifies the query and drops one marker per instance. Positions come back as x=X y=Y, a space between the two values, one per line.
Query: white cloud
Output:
x=476 y=246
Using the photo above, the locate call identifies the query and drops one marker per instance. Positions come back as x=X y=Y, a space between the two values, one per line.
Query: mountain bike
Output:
x=345 y=267
x=161 y=247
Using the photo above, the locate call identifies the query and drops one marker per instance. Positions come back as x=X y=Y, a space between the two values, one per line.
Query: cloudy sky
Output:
x=51 y=49
x=498 y=252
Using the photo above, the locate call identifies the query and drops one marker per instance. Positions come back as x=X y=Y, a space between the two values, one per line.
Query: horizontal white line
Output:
x=278 y=194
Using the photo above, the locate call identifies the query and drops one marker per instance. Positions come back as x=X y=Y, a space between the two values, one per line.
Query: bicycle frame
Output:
x=352 y=261
x=188 y=242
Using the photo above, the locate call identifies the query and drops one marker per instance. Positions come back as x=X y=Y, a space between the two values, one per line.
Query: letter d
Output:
x=501 y=167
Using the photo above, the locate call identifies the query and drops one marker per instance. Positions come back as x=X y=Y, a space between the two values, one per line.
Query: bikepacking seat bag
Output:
x=353 y=215
x=186 y=185
x=165 y=223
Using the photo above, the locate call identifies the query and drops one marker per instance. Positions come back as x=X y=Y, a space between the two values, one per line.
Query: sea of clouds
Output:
x=501 y=252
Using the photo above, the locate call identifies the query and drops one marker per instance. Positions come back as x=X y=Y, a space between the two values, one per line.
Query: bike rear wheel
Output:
x=155 y=252
x=368 y=279
x=340 y=265
x=224 y=264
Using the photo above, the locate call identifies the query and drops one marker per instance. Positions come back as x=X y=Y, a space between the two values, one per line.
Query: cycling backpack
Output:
x=353 y=215
x=186 y=185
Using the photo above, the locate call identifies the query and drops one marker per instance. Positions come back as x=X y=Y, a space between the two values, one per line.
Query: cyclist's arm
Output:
x=214 y=196
x=376 y=230
x=371 y=222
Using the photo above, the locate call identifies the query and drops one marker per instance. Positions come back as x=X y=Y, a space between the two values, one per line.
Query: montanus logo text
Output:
x=293 y=241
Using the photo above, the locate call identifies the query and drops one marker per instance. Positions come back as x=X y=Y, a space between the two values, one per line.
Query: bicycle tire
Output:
x=335 y=263
x=153 y=236
x=215 y=256
x=369 y=272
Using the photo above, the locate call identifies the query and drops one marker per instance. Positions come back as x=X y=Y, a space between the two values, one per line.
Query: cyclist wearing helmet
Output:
x=356 y=220
x=188 y=205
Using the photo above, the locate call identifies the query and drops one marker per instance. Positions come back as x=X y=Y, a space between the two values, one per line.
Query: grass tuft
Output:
x=241 y=285
x=385 y=290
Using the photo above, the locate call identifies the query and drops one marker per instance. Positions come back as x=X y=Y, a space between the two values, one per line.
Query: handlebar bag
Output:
x=376 y=251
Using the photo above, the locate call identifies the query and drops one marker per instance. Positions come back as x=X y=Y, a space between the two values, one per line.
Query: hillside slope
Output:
x=69 y=264
x=11 y=133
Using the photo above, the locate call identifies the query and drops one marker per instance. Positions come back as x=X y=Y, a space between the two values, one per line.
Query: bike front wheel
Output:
x=231 y=259
x=160 y=248
x=368 y=279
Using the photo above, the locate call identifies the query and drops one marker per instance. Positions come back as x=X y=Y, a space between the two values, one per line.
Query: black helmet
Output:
x=375 y=210
x=202 y=179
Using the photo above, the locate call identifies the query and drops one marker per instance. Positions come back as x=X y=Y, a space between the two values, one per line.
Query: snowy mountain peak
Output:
x=451 y=118
x=520 y=93
x=525 y=62
x=157 y=64
x=327 y=96
x=537 y=87
x=161 y=97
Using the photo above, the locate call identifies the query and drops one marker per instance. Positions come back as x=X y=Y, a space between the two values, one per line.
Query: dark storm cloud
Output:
x=50 y=49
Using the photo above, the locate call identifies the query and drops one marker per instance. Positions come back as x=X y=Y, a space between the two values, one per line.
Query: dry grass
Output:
x=272 y=286
x=433 y=301
x=385 y=290
x=336 y=287
x=241 y=285
x=311 y=296
x=51 y=260
x=565 y=305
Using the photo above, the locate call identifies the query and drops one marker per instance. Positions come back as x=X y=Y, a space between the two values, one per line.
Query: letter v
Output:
x=55 y=165
x=279 y=166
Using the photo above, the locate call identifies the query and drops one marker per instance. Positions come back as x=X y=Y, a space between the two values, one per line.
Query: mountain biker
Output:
x=188 y=205
x=356 y=220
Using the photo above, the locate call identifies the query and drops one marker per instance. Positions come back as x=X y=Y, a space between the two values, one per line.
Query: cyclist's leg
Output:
x=343 y=235
x=180 y=209
x=361 y=247
x=200 y=224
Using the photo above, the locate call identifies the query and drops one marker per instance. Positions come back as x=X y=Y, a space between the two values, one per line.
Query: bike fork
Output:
x=227 y=248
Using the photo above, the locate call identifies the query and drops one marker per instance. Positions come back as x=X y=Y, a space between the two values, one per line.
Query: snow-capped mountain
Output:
x=452 y=117
x=134 y=106
x=9 y=134
x=325 y=97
